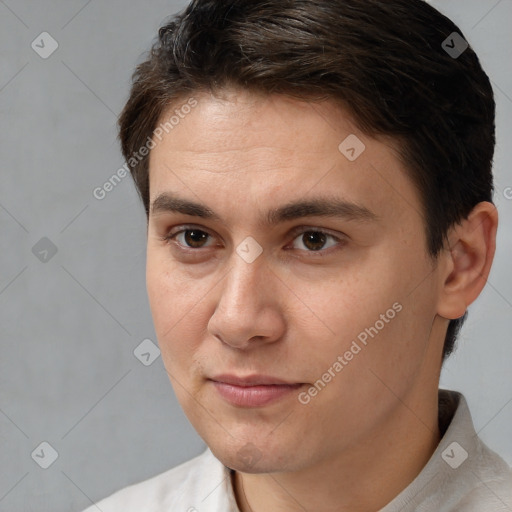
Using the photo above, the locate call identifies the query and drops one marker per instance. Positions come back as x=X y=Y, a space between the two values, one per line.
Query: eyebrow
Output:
x=316 y=207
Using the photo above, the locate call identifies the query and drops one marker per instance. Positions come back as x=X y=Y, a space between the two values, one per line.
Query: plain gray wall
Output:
x=69 y=325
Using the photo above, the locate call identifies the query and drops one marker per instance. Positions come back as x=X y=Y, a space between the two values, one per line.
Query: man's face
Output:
x=237 y=295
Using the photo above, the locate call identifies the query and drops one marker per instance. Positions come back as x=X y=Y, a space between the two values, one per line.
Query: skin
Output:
x=289 y=314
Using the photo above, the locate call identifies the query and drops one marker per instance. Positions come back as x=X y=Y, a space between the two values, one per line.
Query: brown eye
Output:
x=315 y=240
x=195 y=238
x=191 y=238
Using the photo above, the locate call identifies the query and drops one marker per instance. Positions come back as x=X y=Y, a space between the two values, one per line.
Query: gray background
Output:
x=69 y=325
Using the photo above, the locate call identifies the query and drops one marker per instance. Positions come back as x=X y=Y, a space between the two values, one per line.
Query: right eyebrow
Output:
x=170 y=203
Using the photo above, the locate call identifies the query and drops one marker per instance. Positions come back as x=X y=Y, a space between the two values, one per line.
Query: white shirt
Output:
x=462 y=475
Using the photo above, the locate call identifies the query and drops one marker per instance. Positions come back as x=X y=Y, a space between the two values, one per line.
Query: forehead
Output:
x=244 y=149
x=238 y=119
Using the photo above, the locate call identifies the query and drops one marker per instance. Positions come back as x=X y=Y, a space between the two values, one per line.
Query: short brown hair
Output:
x=384 y=60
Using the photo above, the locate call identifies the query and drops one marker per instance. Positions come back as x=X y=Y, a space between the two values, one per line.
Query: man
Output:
x=317 y=180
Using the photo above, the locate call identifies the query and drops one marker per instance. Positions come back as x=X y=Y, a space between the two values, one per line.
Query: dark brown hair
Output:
x=387 y=61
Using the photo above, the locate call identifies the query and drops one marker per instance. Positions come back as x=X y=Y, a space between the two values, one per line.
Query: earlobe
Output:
x=470 y=252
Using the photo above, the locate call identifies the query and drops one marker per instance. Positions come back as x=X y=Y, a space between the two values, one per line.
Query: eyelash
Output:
x=169 y=238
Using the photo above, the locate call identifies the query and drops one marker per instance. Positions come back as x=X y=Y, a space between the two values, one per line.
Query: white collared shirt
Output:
x=463 y=475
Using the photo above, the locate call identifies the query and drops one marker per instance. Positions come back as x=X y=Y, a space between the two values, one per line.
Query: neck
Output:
x=363 y=478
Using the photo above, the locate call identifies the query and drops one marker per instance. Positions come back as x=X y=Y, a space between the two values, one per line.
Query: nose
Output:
x=247 y=313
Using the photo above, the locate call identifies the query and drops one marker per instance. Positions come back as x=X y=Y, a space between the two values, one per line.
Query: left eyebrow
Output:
x=320 y=207
x=316 y=207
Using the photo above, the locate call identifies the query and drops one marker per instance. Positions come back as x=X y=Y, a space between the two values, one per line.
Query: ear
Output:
x=468 y=259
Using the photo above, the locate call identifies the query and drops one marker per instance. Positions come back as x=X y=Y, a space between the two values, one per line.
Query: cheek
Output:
x=171 y=296
x=379 y=305
x=354 y=301
x=394 y=330
x=175 y=311
x=176 y=306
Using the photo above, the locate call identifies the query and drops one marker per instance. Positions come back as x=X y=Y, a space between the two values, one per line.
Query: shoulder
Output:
x=475 y=478
x=489 y=478
x=463 y=474
x=495 y=495
x=491 y=484
x=179 y=488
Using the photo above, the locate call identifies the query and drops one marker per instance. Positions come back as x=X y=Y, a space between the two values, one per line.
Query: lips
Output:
x=254 y=390
x=251 y=380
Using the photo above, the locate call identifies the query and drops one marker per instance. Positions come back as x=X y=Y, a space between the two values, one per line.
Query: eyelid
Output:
x=303 y=229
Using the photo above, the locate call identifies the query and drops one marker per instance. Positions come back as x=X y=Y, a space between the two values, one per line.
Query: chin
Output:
x=252 y=457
